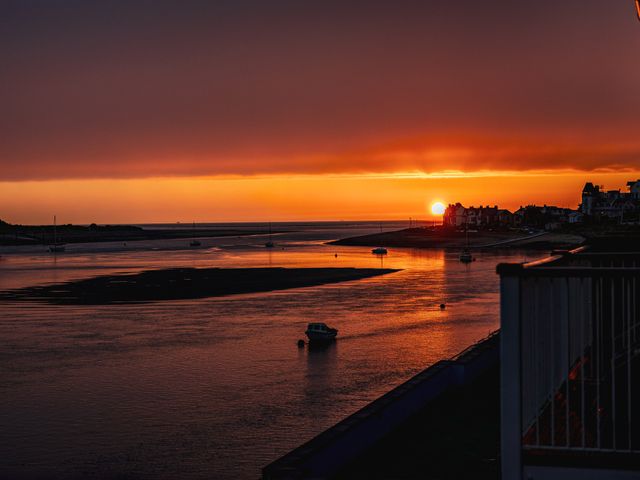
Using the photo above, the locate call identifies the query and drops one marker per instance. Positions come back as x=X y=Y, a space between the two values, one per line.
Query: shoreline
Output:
x=185 y=284
x=478 y=240
x=18 y=235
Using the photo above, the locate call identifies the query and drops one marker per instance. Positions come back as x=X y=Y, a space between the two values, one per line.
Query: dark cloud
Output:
x=133 y=88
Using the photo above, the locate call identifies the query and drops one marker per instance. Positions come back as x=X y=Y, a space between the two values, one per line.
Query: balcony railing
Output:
x=571 y=360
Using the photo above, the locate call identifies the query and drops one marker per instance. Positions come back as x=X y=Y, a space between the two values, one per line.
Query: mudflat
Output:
x=44 y=234
x=185 y=283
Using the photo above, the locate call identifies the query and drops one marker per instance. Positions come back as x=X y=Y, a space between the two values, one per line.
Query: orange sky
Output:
x=284 y=110
x=283 y=198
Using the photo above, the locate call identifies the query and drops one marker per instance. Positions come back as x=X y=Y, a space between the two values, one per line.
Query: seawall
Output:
x=336 y=449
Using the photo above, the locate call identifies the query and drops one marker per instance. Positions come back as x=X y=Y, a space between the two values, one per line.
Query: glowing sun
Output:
x=437 y=208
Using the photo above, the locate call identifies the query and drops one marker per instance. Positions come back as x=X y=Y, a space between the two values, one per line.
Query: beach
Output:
x=186 y=283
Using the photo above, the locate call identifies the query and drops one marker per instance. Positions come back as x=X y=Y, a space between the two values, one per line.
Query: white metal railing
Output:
x=571 y=355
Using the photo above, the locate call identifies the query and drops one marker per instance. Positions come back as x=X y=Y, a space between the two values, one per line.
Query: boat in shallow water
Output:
x=194 y=242
x=466 y=257
x=269 y=243
x=320 y=332
x=56 y=247
x=379 y=251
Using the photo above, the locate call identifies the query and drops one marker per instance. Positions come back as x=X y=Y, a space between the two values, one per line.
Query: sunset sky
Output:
x=143 y=111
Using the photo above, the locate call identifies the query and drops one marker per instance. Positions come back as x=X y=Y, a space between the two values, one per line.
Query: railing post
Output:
x=510 y=358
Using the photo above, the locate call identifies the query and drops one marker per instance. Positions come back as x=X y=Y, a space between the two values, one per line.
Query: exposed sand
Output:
x=186 y=283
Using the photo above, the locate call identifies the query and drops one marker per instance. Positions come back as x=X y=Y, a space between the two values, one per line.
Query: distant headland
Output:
x=68 y=233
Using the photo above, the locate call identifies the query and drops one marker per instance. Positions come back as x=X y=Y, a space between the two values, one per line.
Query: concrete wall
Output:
x=334 y=448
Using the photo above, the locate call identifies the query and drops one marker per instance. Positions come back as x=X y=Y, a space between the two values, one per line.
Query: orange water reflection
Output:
x=218 y=385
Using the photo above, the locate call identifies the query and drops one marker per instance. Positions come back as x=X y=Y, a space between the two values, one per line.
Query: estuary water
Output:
x=216 y=387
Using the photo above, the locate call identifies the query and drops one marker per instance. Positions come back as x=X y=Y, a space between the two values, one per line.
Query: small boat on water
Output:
x=379 y=250
x=269 y=243
x=320 y=332
x=466 y=257
x=56 y=247
x=194 y=242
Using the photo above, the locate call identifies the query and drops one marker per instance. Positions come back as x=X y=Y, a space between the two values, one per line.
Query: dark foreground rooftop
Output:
x=441 y=424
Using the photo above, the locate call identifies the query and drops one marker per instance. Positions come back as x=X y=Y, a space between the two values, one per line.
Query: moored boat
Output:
x=379 y=250
x=466 y=257
x=56 y=247
x=194 y=242
x=269 y=243
x=320 y=332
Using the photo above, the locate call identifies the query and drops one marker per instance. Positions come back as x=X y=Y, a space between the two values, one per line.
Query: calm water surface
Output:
x=216 y=388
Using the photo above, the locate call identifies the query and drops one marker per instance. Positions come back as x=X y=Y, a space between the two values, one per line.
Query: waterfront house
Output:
x=531 y=216
x=590 y=196
x=456 y=215
x=576 y=217
x=634 y=189
x=505 y=217
x=611 y=204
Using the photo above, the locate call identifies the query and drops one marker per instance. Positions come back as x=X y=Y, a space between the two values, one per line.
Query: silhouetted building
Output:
x=505 y=217
x=590 y=196
x=456 y=215
x=576 y=217
x=611 y=204
x=548 y=217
